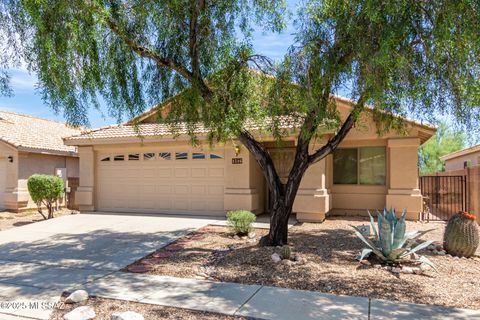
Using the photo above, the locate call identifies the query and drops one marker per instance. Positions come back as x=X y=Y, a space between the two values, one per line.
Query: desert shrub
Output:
x=46 y=190
x=240 y=221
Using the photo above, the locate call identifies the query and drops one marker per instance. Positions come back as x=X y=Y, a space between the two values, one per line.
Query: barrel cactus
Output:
x=392 y=243
x=461 y=237
x=286 y=252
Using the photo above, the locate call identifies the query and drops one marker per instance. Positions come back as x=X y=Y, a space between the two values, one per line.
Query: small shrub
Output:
x=240 y=221
x=46 y=190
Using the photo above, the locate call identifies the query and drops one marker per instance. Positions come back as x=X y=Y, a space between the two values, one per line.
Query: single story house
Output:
x=30 y=145
x=143 y=168
x=462 y=159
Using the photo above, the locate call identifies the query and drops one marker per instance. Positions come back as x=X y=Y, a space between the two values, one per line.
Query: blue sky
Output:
x=28 y=100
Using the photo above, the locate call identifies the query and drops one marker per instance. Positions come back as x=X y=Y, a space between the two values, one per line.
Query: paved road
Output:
x=41 y=260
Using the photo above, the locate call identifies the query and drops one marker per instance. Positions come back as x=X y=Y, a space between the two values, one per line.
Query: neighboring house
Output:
x=30 y=145
x=145 y=169
x=462 y=159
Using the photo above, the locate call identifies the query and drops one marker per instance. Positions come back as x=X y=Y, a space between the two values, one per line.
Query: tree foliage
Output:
x=445 y=141
x=405 y=57
x=45 y=190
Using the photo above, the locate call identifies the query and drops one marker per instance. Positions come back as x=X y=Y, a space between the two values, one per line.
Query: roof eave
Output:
x=48 y=151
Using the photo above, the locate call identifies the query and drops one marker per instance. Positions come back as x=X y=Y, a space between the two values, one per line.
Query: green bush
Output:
x=240 y=221
x=46 y=190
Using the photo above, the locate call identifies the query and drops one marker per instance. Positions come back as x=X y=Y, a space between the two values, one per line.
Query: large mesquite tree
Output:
x=401 y=57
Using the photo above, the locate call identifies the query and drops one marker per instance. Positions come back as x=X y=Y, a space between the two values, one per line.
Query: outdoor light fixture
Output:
x=10 y=159
x=237 y=150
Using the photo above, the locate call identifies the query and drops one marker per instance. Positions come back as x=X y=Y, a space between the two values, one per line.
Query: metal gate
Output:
x=444 y=196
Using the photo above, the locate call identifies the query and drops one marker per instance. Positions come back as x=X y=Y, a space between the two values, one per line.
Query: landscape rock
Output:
x=417 y=270
x=441 y=253
x=432 y=247
x=128 y=315
x=251 y=235
x=425 y=267
x=287 y=262
x=396 y=270
x=365 y=262
x=377 y=266
x=276 y=258
x=77 y=296
x=80 y=313
x=407 y=270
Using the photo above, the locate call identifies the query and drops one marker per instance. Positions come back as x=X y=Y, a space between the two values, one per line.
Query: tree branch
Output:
x=151 y=54
x=333 y=143
x=264 y=160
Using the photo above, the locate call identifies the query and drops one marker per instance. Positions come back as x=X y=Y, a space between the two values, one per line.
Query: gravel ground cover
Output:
x=326 y=253
x=104 y=308
x=17 y=219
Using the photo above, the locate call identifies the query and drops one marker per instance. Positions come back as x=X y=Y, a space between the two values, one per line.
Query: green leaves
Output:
x=45 y=188
x=130 y=54
x=393 y=243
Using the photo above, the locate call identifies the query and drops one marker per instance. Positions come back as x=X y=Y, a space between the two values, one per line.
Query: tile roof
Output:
x=32 y=134
x=145 y=130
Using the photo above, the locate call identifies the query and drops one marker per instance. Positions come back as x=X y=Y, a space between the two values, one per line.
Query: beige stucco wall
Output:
x=33 y=163
x=317 y=196
x=244 y=183
x=16 y=196
x=457 y=163
x=10 y=178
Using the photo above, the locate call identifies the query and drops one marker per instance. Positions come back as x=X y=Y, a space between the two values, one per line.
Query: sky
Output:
x=27 y=99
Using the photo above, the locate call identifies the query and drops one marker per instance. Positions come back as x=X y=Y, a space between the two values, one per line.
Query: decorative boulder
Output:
x=80 y=313
x=276 y=257
x=77 y=296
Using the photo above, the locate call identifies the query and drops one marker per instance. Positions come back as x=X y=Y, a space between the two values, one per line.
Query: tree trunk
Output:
x=279 y=215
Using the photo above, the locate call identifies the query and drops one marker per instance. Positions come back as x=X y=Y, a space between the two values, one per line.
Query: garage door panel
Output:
x=182 y=172
x=182 y=205
x=164 y=172
x=216 y=190
x=182 y=189
x=199 y=190
x=161 y=185
x=215 y=206
x=164 y=189
x=216 y=172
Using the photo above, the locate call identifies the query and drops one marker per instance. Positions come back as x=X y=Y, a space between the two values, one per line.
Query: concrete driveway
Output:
x=41 y=260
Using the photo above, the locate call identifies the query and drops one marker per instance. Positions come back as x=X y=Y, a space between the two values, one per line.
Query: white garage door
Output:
x=3 y=177
x=165 y=181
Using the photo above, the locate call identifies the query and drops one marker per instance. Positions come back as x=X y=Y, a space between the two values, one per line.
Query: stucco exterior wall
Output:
x=458 y=163
x=10 y=178
x=15 y=195
x=33 y=163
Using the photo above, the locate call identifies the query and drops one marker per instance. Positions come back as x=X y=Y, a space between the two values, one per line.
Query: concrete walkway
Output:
x=39 y=261
x=263 y=302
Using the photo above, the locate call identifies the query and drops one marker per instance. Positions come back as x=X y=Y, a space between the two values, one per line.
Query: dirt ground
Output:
x=16 y=219
x=327 y=254
x=105 y=307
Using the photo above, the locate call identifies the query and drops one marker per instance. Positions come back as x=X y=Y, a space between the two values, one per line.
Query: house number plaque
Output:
x=237 y=160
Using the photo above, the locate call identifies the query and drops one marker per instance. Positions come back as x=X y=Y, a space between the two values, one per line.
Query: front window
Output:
x=365 y=166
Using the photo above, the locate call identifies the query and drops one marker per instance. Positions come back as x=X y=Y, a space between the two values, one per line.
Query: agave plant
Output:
x=394 y=244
